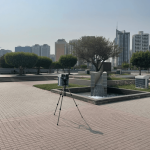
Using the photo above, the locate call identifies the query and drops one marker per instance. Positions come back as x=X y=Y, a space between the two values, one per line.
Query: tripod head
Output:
x=63 y=80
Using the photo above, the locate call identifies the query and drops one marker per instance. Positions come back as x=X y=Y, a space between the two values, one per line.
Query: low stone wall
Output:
x=26 y=71
x=81 y=72
x=109 y=82
x=123 y=71
x=126 y=94
x=27 y=78
x=120 y=82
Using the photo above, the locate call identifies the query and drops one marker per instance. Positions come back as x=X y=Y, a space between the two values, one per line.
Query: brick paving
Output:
x=27 y=122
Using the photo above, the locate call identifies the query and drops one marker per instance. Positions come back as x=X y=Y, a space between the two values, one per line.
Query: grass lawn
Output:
x=132 y=87
x=108 y=78
x=86 y=78
x=54 y=86
x=111 y=74
x=125 y=74
x=114 y=74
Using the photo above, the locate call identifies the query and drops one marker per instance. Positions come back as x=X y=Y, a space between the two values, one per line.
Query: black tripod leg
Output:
x=75 y=103
x=77 y=107
x=57 y=104
x=60 y=110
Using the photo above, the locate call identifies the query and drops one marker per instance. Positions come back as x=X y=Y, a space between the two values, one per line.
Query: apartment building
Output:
x=36 y=49
x=140 y=42
x=52 y=57
x=70 y=47
x=3 y=52
x=61 y=48
x=45 y=50
x=23 y=49
x=122 y=40
x=40 y=50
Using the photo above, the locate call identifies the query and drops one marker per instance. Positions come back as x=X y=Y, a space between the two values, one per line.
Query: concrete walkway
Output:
x=27 y=122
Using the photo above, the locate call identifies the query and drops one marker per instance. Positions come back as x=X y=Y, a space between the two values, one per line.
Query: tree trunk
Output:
x=38 y=71
x=20 y=70
x=57 y=70
x=139 y=70
x=96 y=69
x=23 y=70
x=98 y=65
x=69 y=70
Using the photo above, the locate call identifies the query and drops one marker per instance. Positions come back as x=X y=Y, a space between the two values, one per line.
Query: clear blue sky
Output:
x=29 y=22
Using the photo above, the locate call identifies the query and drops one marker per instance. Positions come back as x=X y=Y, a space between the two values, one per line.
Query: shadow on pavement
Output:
x=81 y=126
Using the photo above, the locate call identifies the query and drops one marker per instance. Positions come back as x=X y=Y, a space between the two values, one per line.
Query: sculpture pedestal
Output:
x=99 y=84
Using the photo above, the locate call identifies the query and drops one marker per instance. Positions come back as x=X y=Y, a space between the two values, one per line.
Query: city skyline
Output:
x=40 y=50
x=45 y=21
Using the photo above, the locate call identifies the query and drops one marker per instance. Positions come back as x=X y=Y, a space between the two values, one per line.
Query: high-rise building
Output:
x=36 y=49
x=23 y=49
x=52 y=57
x=45 y=50
x=140 y=42
x=3 y=51
x=61 y=48
x=122 y=40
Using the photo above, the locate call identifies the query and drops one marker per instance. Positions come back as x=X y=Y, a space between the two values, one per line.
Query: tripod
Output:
x=62 y=94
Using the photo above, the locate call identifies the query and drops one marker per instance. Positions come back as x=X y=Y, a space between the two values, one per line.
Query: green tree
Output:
x=63 y=61
x=21 y=60
x=84 y=66
x=44 y=62
x=125 y=65
x=57 y=65
x=95 y=50
x=141 y=60
x=52 y=66
x=3 y=63
x=131 y=66
x=67 y=61
x=72 y=60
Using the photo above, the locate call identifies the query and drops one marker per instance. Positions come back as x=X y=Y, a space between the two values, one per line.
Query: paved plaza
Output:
x=27 y=121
